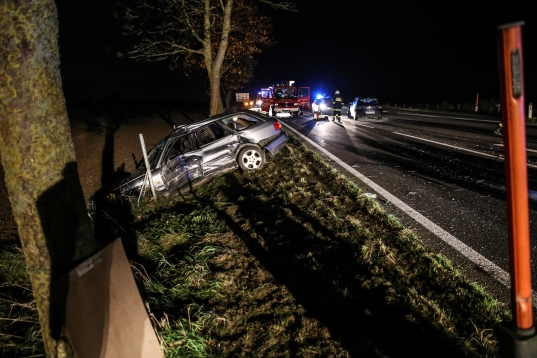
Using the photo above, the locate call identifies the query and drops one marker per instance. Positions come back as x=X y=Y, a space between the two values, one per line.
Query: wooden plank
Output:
x=105 y=315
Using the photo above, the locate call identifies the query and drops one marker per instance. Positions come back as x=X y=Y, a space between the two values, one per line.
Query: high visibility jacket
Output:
x=337 y=103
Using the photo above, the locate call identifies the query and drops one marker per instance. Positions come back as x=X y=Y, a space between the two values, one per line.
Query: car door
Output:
x=182 y=162
x=218 y=144
x=266 y=99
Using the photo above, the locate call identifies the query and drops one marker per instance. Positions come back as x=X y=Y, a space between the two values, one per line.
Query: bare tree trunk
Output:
x=214 y=66
x=227 y=95
x=216 y=105
x=38 y=156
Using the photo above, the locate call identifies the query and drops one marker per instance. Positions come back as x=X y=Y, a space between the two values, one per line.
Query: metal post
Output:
x=530 y=111
x=148 y=168
x=519 y=339
x=476 y=102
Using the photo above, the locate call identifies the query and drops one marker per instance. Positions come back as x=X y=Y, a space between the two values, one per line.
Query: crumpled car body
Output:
x=203 y=149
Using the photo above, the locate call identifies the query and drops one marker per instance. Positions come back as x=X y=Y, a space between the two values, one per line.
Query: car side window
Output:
x=173 y=150
x=181 y=145
x=211 y=133
x=239 y=123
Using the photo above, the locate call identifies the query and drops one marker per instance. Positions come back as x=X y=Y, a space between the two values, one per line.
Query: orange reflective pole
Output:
x=514 y=133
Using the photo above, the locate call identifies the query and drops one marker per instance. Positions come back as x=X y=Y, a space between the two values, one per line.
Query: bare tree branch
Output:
x=197 y=31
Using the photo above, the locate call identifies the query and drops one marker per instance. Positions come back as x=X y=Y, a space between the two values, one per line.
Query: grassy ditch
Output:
x=294 y=261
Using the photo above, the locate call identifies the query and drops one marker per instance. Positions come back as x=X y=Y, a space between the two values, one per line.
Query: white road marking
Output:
x=462 y=118
x=363 y=125
x=465 y=149
x=449 y=145
x=480 y=260
x=529 y=150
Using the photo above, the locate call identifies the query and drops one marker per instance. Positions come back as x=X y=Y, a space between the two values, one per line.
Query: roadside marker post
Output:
x=530 y=111
x=148 y=168
x=517 y=339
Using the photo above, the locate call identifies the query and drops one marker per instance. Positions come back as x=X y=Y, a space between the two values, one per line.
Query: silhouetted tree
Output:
x=250 y=37
x=39 y=160
x=170 y=29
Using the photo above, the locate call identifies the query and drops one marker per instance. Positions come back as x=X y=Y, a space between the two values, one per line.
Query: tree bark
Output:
x=216 y=105
x=214 y=66
x=38 y=156
x=227 y=94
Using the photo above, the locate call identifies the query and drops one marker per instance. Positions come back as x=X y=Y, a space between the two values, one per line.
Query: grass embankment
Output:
x=293 y=260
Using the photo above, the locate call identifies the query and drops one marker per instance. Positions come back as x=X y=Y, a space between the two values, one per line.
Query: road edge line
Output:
x=494 y=270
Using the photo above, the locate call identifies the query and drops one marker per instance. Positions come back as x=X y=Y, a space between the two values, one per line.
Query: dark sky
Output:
x=400 y=51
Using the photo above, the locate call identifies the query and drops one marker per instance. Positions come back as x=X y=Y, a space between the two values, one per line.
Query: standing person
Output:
x=337 y=104
x=316 y=109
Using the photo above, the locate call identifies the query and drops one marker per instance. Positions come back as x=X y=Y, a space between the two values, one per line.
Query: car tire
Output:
x=251 y=158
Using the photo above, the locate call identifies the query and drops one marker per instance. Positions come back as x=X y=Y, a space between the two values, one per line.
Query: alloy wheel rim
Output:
x=251 y=159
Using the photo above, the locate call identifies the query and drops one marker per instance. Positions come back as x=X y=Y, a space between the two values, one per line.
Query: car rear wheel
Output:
x=251 y=158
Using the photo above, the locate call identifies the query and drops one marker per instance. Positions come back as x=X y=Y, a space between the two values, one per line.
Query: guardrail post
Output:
x=518 y=338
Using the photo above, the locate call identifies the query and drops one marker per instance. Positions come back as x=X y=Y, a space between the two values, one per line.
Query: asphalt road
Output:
x=447 y=167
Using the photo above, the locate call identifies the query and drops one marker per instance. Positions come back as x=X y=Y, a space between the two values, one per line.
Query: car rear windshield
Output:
x=368 y=101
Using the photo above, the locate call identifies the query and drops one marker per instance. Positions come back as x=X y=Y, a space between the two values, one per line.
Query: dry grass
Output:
x=294 y=261
x=307 y=265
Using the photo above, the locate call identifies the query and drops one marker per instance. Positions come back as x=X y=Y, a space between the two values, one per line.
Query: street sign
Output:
x=242 y=97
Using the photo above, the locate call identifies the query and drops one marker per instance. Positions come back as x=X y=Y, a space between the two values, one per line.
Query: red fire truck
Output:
x=284 y=98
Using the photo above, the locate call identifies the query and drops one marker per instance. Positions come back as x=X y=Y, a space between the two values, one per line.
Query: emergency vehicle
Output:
x=284 y=98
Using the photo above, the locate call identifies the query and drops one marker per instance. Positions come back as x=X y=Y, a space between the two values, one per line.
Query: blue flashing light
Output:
x=319 y=96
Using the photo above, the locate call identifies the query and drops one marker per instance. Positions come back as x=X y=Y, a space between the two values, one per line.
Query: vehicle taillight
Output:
x=277 y=125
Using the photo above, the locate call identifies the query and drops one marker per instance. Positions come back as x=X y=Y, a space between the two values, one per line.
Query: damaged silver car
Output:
x=197 y=151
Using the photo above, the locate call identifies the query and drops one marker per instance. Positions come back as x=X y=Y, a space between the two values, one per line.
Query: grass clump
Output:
x=20 y=333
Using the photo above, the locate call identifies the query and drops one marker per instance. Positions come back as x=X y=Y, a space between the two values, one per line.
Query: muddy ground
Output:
x=106 y=139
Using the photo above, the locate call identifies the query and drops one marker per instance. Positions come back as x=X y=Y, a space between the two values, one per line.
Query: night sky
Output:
x=401 y=52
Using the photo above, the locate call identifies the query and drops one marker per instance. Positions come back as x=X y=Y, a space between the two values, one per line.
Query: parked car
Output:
x=196 y=151
x=322 y=105
x=365 y=107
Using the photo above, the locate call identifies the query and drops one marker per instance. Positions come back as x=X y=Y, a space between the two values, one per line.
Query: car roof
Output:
x=187 y=128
